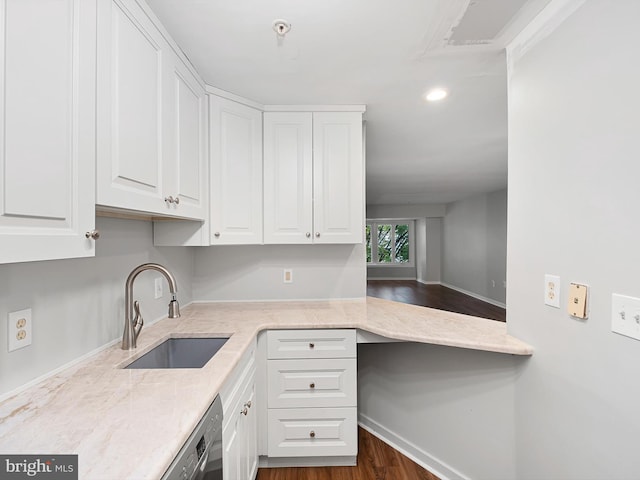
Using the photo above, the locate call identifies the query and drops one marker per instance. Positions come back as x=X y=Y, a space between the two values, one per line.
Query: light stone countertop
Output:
x=130 y=424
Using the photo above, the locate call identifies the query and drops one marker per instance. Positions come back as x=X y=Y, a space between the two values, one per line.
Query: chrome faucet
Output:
x=133 y=325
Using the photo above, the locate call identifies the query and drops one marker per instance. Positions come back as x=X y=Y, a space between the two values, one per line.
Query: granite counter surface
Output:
x=130 y=424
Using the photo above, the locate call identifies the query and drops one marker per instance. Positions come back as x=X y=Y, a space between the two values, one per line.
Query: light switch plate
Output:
x=625 y=315
x=577 y=301
x=552 y=290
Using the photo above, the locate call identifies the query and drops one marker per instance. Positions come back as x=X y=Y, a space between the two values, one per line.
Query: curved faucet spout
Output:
x=133 y=324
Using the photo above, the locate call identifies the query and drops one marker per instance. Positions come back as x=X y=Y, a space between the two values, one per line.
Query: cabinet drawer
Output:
x=304 y=432
x=311 y=344
x=326 y=382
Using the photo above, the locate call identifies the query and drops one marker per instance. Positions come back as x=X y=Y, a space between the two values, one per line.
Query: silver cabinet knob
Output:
x=312 y=434
x=312 y=345
x=244 y=411
x=248 y=404
x=217 y=234
x=176 y=200
x=94 y=234
x=317 y=234
x=312 y=385
x=308 y=234
x=169 y=199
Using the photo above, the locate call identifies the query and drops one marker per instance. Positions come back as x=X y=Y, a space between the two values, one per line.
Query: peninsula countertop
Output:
x=130 y=424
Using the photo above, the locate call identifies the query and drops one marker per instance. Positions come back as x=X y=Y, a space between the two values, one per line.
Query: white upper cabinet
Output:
x=150 y=118
x=186 y=144
x=314 y=177
x=236 y=172
x=47 y=152
x=288 y=177
x=338 y=178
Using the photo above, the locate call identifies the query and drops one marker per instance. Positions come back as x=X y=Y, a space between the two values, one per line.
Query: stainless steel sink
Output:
x=180 y=353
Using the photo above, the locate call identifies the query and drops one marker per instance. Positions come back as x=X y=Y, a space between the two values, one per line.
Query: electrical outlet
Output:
x=625 y=315
x=552 y=290
x=158 y=287
x=288 y=275
x=19 y=329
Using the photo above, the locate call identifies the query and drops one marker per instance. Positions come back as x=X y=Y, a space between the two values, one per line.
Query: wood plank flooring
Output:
x=376 y=461
x=434 y=296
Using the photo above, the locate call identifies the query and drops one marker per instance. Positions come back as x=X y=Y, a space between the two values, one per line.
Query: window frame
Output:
x=373 y=225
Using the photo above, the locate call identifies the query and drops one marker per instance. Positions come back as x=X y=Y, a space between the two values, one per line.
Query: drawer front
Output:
x=326 y=382
x=282 y=344
x=305 y=432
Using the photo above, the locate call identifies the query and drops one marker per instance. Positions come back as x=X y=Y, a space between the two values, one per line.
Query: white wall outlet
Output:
x=158 y=288
x=552 y=290
x=625 y=315
x=288 y=275
x=19 y=331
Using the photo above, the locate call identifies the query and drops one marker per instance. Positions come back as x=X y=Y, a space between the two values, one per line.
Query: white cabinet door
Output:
x=131 y=69
x=236 y=172
x=239 y=437
x=288 y=171
x=47 y=141
x=151 y=119
x=312 y=432
x=338 y=178
x=249 y=436
x=185 y=160
x=311 y=383
x=314 y=177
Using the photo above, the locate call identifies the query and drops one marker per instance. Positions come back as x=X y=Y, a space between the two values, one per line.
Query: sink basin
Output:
x=180 y=353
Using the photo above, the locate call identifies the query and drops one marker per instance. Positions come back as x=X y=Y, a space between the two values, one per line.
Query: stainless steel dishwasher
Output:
x=201 y=456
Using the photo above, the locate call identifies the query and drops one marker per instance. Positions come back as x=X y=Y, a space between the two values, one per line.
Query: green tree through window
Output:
x=388 y=243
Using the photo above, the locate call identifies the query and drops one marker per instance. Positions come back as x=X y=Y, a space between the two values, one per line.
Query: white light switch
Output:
x=625 y=315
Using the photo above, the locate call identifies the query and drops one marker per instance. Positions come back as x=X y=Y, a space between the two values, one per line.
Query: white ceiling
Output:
x=385 y=54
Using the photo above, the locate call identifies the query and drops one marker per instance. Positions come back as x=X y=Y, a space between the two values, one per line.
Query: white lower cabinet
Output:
x=240 y=426
x=311 y=396
x=312 y=432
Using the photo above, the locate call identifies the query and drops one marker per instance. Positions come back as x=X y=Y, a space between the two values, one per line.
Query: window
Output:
x=389 y=242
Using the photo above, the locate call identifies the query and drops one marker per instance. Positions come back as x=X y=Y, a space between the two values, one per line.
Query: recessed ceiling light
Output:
x=436 y=94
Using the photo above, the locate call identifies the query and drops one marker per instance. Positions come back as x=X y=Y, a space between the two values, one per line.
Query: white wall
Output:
x=406 y=211
x=433 y=238
x=574 y=166
x=451 y=408
x=78 y=305
x=224 y=273
x=421 y=249
x=474 y=245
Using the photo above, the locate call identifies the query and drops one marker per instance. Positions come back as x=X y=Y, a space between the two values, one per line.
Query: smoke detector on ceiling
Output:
x=281 y=27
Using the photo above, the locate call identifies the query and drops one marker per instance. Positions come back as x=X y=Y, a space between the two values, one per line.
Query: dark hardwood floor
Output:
x=376 y=461
x=434 y=296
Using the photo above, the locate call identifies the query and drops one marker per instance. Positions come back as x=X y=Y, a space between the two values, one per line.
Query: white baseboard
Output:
x=427 y=282
x=410 y=450
x=474 y=295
